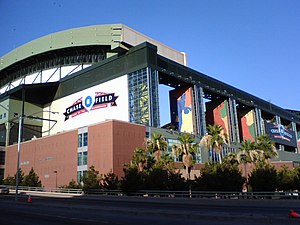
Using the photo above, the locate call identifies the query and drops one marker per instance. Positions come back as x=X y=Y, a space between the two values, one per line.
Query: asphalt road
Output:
x=117 y=210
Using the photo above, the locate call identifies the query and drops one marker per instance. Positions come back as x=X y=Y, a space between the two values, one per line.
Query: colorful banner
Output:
x=281 y=135
x=247 y=125
x=218 y=113
x=182 y=109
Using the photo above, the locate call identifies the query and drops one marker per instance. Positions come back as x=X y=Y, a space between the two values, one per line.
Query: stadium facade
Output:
x=90 y=96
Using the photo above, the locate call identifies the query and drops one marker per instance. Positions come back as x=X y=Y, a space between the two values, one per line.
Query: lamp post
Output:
x=18 y=161
x=21 y=118
x=55 y=171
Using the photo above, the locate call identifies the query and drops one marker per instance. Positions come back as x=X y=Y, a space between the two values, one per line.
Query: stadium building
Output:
x=91 y=95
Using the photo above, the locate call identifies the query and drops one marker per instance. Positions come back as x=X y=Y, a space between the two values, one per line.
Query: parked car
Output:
x=4 y=189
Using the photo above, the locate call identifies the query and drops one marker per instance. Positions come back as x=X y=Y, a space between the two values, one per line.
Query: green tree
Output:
x=166 y=162
x=267 y=146
x=110 y=181
x=176 y=182
x=287 y=178
x=157 y=179
x=263 y=178
x=32 y=179
x=142 y=159
x=90 y=179
x=248 y=154
x=9 y=180
x=133 y=180
x=220 y=177
x=186 y=148
x=214 y=140
x=297 y=178
x=73 y=185
x=156 y=145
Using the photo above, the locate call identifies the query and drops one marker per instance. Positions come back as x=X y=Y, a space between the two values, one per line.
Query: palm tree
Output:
x=248 y=154
x=140 y=158
x=214 y=140
x=261 y=151
x=267 y=146
x=167 y=161
x=186 y=148
x=156 y=145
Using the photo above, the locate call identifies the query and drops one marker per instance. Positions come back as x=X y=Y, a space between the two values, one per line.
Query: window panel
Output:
x=85 y=139
x=79 y=161
x=85 y=158
x=79 y=140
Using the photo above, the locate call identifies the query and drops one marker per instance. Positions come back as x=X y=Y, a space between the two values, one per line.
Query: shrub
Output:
x=133 y=180
x=90 y=179
x=32 y=179
x=73 y=185
x=110 y=181
x=219 y=177
x=263 y=178
x=157 y=179
x=286 y=179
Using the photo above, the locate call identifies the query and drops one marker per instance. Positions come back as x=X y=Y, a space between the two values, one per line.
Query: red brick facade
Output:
x=110 y=146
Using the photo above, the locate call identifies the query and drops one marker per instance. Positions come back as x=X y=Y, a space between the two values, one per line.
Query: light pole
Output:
x=55 y=171
x=21 y=118
x=18 y=161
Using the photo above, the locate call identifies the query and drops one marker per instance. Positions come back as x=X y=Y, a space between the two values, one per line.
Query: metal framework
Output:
x=143 y=97
x=50 y=66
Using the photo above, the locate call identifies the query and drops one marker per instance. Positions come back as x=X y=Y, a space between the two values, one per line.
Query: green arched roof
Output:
x=113 y=35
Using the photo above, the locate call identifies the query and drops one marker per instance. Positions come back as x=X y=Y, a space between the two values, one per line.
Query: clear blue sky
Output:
x=252 y=45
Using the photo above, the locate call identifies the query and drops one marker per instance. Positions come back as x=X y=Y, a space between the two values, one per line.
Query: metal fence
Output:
x=170 y=194
x=41 y=189
x=200 y=194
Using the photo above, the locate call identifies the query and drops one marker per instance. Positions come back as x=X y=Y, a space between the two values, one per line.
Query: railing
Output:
x=200 y=194
x=171 y=194
x=52 y=190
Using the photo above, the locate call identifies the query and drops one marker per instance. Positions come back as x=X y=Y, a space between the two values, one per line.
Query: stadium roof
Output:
x=113 y=35
x=85 y=45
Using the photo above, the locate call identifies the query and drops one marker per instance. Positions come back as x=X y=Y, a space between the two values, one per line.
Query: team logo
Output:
x=88 y=103
x=279 y=131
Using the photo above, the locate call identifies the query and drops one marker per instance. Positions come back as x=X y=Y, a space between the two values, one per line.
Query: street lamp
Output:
x=55 y=171
x=19 y=142
x=18 y=161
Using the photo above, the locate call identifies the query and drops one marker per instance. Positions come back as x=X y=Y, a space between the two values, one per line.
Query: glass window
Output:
x=85 y=139
x=84 y=173
x=79 y=140
x=2 y=158
x=82 y=139
x=79 y=161
x=143 y=87
x=172 y=142
x=79 y=176
x=85 y=158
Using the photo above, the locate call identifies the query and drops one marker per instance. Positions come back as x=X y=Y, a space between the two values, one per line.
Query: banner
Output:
x=281 y=135
x=182 y=109
x=247 y=125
